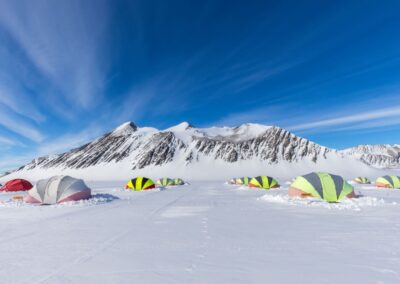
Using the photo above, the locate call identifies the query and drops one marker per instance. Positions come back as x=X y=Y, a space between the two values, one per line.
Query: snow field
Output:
x=205 y=232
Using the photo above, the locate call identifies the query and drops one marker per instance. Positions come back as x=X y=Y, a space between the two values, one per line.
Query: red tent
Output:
x=17 y=185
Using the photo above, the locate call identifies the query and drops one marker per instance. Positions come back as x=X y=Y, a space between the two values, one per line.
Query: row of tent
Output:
x=326 y=186
x=329 y=187
x=144 y=183
x=59 y=189
x=265 y=182
x=383 y=181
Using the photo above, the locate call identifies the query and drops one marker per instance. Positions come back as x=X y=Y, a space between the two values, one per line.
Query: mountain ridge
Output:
x=377 y=155
x=182 y=148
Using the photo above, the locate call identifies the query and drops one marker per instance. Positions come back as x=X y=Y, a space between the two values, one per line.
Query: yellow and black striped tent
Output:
x=165 y=182
x=329 y=187
x=362 y=180
x=140 y=183
x=265 y=182
x=388 y=182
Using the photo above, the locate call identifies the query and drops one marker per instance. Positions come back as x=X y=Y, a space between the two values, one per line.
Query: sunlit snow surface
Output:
x=206 y=232
x=355 y=204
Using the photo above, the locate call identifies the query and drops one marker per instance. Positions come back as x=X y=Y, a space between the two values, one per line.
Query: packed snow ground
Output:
x=206 y=232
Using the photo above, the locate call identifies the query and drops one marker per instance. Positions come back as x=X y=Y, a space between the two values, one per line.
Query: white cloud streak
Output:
x=19 y=104
x=349 y=119
x=64 y=40
x=68 y=141
x=264 y=115
x=9 y=142
x=55 y=146
x=20 y=127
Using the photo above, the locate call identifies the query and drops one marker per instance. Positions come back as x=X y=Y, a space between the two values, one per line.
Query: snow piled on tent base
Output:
x=355 y=204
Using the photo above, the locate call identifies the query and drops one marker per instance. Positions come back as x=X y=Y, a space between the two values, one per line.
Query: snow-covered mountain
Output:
x=196 y=153
x=147 y=146
x=380 y=156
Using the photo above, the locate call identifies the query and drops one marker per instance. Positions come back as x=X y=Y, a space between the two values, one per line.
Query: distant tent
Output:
x=165 y=182
x=232 y=181
x=140 y=183
x=263 y=182
x=17 y=185
x=329 y=187
x=243 y=181
x=388 y=182
x=362 y=180
x=178 y=181
x=58 y=189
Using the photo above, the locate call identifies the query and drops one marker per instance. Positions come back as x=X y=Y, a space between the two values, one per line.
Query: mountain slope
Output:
x=198 y=153
x=151 y=147
x=380 y=156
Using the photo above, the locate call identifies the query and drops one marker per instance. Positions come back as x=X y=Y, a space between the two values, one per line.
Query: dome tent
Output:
x=58 y=189
x=232 y=181
x=243 y=181
x=362 y=180
x=178 y=181
x=388 y=182
x=17 y=185
x=140 y=183
x=265 y=182
x=165 y=182
x=329 y=187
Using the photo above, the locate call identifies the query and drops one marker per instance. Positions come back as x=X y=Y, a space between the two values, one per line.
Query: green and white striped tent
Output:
x=243 y=181
x=388 y=182
x=329 y=187
x=165 y=182
x=362 y=180
x=178 y=181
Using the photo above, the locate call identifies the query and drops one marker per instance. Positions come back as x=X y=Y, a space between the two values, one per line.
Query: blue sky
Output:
x=71 y=70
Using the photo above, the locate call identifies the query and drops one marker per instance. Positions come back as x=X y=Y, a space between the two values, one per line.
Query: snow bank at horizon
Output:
x=210 y=170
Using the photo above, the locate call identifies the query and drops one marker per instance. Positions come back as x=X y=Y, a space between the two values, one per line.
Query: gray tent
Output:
x=58 y=189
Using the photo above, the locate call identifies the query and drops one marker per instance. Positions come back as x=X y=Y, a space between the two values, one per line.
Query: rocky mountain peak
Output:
x=180 y=127
x=125 y=128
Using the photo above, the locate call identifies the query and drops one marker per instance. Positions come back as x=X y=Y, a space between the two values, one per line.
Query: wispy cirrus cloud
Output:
x=14 y=99
x=173 y=90
x=58 y=145
x=264 y=115
x=19 y=126
x=365 y=116
x=65 y=41
x=68 y=141
x=4 y=141
x=372 y=125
